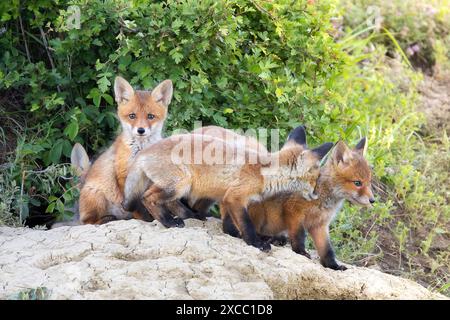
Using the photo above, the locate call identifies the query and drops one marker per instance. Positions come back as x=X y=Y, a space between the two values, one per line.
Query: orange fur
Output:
x=296 y=215
x=102 y=192
x=156 y=179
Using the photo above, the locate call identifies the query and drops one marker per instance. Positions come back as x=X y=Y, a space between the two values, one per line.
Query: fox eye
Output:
x=132 y=116
x=151 y=116
x=357 y=183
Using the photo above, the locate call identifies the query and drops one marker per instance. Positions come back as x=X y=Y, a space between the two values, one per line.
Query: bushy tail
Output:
x=81 y=165
x=136 y=184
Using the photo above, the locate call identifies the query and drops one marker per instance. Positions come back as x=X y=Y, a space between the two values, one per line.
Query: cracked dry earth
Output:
x=138 y=260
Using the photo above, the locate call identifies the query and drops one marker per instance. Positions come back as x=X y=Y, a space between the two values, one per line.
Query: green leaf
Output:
x=108 y=98
x=50 y=207
x=67 y=196
x=103 y=84
x=67 y=148
x=222 y=83
x=176 y=55
x=95 y=95
x=72 y=130
x=60 y=206
x=97 y=42
x=96 y=100
x=124 y=61
x=176 y=24
x=278 y=92
x=55 y=152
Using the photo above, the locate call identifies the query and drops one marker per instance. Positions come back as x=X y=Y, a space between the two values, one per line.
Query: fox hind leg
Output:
x=228 y=225
x=202 y=207
x=239 y=215
x=298 y=240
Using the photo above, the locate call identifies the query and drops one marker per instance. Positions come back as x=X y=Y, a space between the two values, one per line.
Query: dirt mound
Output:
x=138 y=260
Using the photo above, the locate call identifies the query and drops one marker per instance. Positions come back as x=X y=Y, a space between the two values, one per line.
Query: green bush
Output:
x=238 y=64
x=234 y=63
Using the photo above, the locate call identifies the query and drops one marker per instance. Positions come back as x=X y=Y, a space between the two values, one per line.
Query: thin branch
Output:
x=24 y=38
x=44 y=41
x=52 y=64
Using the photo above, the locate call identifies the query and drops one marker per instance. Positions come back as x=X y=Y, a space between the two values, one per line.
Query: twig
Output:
x=21 y=197
x=25 y=174
x=24 y=38
x=44 y=41
x=262 y=9
x=52 y=64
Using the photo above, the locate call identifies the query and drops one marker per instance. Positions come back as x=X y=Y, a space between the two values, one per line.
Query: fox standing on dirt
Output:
x=345 y=176
x=155 y=178
x=142 y=115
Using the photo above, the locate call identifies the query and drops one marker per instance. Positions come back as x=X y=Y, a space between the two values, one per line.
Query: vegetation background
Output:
x=345 y=68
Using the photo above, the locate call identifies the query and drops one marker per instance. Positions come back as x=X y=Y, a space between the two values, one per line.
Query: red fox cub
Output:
x=160 y=175
x=345 y=176
x=142 y=115
x=202 y=206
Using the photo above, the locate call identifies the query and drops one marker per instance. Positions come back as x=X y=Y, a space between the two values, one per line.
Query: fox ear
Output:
x=361 y=147
x=322 y=150
x=79 y=159
x=163 y=92
x=122 y=90
x=341 y=153
x=298 y=135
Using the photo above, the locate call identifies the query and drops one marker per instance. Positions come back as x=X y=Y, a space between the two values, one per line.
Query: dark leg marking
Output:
x=329 y=259
x=179 y=209
x=229 y=228
x=249 y=232
x=279 y=240
x=202 y=207
x=144 y=214
x=167 y=219
x=298 y=243
x=106 y=219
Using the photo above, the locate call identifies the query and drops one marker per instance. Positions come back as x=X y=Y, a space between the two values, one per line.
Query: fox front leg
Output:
x=160 y=212
x=180 y=210
x=323 y=245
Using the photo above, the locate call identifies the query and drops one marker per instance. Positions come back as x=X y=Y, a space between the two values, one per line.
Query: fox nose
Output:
x=141 y=130
x=371 y=200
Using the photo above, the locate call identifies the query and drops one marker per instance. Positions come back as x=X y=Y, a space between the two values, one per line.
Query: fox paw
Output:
x=176 y=222
x=341 y=268
x=338 y=267
x=305 y=253
x=199 y=216
x=279 y=241
x=263 y=246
